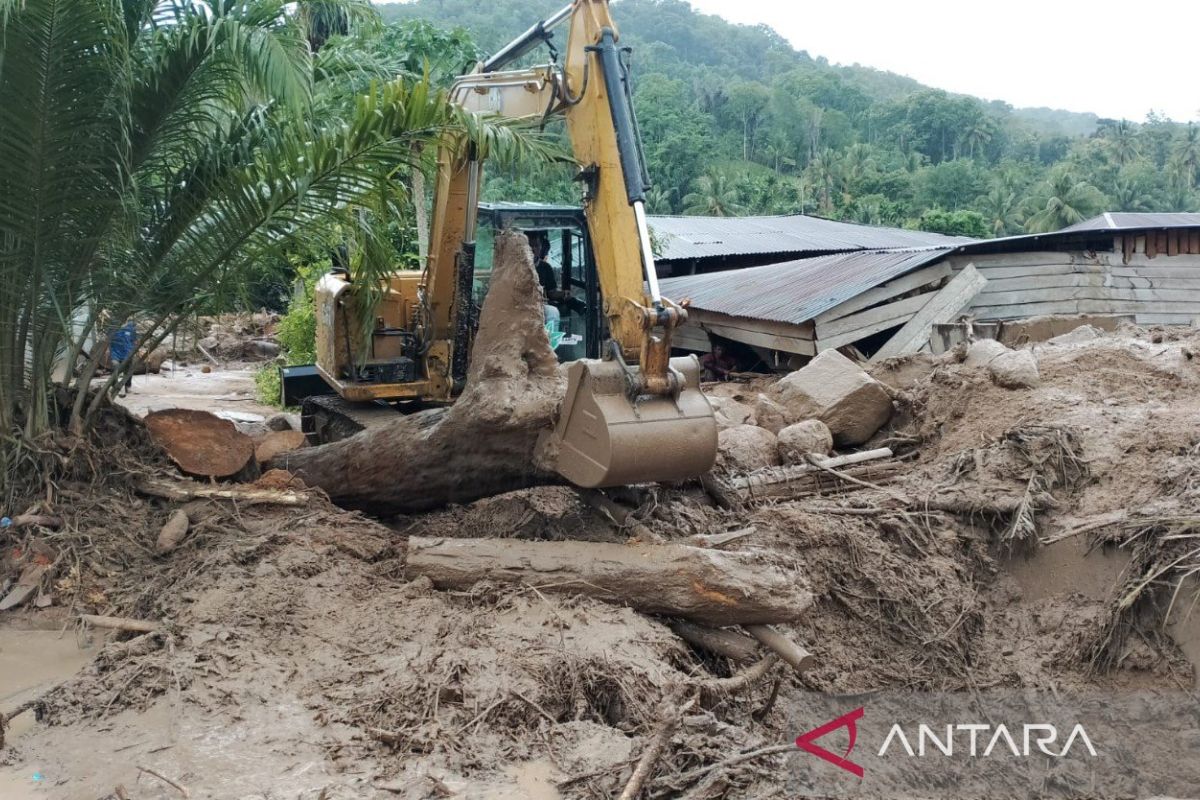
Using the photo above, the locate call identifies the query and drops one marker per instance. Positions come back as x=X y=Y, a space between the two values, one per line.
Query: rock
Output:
x=1084 y=333
x=1016 y=369
x=769 y=414
x=746 y=447
x=725 y=389
x=278 y=442
x=835 y=390
x=730 y=412
x=797 y=441
x=262 y=348
x=283 y=422
x=172 y=532
x=982 y=351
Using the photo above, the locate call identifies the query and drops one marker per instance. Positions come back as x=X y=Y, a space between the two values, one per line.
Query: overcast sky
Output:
x=1117 y=60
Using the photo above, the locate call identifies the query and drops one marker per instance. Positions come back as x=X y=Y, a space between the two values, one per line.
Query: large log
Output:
x=485 y=443
x=712 y=587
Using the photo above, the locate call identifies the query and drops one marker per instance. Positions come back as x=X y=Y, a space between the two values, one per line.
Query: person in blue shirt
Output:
x=121 y=346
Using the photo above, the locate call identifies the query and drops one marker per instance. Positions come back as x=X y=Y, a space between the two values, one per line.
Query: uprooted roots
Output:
x=1038 y=459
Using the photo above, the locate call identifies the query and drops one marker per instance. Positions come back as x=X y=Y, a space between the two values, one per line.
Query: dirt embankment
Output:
x=1021 y=546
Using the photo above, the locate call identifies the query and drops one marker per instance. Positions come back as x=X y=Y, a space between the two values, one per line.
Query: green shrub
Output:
x=296 y=334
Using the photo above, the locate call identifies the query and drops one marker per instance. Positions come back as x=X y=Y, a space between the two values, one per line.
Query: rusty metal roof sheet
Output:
x=1125 y=220
x=796 y=291
x=708 y=237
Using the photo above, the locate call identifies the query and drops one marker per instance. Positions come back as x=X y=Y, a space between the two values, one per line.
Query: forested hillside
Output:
x=737 y=121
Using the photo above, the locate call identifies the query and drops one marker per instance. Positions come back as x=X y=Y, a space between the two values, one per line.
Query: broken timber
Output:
x=708 y=586
x=942 y=307
x=800 y=480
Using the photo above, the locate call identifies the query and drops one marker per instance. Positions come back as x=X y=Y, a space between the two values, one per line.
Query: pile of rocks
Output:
x=830 y=402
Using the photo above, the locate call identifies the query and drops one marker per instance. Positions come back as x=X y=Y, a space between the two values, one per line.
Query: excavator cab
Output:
x=566 y=268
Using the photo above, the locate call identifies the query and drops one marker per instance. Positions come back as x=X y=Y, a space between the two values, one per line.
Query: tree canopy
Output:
x=737 y=121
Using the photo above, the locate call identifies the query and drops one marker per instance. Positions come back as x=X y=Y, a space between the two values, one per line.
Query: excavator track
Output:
x=329 y=418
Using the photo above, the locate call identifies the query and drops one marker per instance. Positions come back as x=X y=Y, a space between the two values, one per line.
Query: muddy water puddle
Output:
x=31 y=662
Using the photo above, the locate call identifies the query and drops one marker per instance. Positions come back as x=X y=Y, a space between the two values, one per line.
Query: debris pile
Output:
x=655 y=641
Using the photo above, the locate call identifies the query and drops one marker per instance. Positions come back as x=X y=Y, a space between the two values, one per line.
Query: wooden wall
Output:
x=1158 y=287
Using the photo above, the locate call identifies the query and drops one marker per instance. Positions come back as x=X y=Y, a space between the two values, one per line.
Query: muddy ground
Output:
x=296 y=659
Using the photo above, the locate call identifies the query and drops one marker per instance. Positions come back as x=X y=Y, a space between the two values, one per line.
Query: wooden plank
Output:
x=1127 y=243
x=983 y=261
x=1083 y=306
x=1162 y=270
x=691 y=337
x=803 y=330
x=880 y=294
x=762 y=338
x=943 y=307
x=878 y=318
x=1172 y=242
x=992 y=273
x=1151 y=245
x=1194 y=243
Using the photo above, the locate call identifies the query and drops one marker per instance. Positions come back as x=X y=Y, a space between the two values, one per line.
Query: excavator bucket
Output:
x=605 y=439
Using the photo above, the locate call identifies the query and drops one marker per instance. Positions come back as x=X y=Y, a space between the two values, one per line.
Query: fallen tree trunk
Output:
x=712 y=587
x=485 y=443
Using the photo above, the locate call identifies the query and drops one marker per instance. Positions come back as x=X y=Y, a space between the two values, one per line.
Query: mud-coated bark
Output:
x=712 y=587
x=484 y=444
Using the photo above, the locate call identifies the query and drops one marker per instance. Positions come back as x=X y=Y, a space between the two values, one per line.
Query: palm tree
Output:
x=1123 y=141
x=1130 y=194
x=658 y=200
x=1185 y=157
x=151 y=153
x=1001 y=208
x=322 y=19
x=713 y=195
x=1063 y=200
x=977 y=135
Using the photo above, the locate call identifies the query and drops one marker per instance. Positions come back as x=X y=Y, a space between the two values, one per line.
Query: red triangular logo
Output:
x=805 y=741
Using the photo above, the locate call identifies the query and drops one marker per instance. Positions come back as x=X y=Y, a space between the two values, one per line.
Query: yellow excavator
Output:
x=632 y=413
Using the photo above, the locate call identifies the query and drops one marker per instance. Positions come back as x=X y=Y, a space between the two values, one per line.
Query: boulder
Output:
x=1016 y=369
x=730 y=412
x=1084 y=333
x=982 y=351
x=283 y=422
x=835 y=390
x=746 y=447
x=769 y=414
x=797 y=441
x=263 y=348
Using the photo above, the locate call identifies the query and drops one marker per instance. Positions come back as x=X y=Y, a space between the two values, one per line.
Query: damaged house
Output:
x=887 y=302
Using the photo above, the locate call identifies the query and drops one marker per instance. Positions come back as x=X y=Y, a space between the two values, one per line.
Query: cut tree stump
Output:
x=484 y=444
x=200 y=443
x=277 y=443
x=712 y=587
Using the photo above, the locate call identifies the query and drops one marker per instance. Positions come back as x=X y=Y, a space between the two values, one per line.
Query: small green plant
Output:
x=296 y=334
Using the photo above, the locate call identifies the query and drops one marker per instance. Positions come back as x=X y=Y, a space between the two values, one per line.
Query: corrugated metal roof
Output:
x=707 y=237
x=796 y=291
x=1126 y=220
